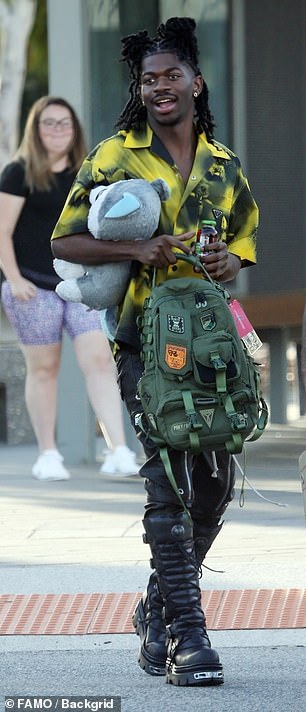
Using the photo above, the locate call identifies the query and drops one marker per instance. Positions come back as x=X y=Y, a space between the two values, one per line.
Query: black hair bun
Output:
x=176 y=26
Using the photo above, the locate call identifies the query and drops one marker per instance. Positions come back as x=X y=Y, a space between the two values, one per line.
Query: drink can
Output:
x=206 y=235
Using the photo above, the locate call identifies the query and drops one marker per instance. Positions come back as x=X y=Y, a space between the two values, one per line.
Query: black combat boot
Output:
x=190 y=658
x=148 y=618
x=149 y=623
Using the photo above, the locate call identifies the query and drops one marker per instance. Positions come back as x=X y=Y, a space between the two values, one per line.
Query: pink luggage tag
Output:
x=244 y=327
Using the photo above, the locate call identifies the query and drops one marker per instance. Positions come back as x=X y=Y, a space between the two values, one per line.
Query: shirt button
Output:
x=193 y=177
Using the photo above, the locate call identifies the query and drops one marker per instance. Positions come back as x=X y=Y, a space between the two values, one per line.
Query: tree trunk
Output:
x=16 y=21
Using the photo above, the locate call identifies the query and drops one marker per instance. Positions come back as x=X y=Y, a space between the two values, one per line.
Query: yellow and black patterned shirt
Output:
x=216 y=189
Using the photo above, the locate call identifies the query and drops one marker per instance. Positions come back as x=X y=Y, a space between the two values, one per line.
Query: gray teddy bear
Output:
x=126 y=210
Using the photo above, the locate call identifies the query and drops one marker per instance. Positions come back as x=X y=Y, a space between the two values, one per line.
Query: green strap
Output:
x=168 y=469
x=262 y=422
x=236 y=442
x=193 y=422
x=220 y=371
x=196 y=262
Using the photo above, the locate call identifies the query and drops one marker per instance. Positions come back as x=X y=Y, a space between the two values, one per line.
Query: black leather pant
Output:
x=206 y=496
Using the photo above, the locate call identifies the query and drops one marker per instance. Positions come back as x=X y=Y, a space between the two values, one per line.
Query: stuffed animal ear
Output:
x=95 y=192
x=161 y=188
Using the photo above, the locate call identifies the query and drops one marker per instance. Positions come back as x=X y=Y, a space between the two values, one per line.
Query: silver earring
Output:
x=195 y=94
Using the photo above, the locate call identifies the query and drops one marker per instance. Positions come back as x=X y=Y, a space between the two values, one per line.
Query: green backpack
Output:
x=200 y=389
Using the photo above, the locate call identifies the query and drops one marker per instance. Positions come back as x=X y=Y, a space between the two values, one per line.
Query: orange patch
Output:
x=175 y=356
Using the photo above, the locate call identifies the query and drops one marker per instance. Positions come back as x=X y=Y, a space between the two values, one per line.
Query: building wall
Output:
x=276 y=130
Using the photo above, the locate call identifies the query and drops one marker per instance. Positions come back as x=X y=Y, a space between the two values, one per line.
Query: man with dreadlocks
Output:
x=166 y=131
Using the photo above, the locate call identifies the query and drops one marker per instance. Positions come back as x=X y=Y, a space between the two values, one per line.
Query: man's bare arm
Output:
x=84 y=249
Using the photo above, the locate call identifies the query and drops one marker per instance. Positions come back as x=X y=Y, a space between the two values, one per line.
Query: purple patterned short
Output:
x=41 y=320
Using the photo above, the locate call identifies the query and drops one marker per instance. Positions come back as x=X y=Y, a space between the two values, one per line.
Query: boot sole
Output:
x=195 y=676
x=152 y=666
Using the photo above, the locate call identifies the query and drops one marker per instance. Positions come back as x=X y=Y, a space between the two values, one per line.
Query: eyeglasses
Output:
x=52 y=124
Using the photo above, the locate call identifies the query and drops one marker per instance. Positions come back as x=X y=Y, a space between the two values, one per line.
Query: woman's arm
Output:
x=10 y=209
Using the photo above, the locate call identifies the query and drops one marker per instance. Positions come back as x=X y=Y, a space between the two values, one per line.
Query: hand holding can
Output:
x=206 y=235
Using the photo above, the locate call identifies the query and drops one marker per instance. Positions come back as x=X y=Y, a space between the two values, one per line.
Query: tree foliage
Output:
x=36 y=80
x=16 y=21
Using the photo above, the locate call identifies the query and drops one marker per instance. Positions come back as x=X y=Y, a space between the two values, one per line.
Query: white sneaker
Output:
x=49 y=466
x=121 y=461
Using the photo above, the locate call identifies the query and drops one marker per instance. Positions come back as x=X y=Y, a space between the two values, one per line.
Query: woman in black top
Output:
x=33 y=189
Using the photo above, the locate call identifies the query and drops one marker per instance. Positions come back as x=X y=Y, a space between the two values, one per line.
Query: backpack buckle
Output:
x=193 y=422
x=239 y=421
x=217 y=362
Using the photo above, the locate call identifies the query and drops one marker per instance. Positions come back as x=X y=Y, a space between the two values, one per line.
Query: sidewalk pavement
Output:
x=85 y=536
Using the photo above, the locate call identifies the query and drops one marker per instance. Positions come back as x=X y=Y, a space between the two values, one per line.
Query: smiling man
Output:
x=166 y=130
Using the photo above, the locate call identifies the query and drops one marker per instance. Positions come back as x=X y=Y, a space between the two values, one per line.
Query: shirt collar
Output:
x=139 y=139
x=216 y=149
x=145 y=138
